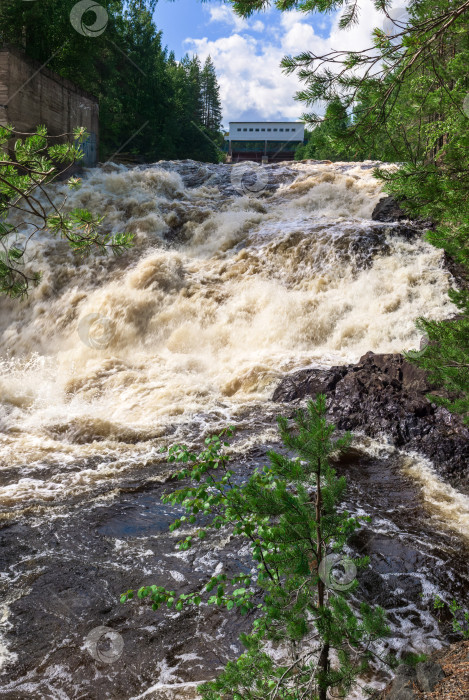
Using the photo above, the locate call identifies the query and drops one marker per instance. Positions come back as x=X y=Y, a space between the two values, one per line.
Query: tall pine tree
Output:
x=211 y=110
x=151 y=106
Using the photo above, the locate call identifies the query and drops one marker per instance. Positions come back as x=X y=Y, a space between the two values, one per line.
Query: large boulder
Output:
x=388 y=209
x=410 y=682
x=403 y=685
x=384 y=395
x=429 y=674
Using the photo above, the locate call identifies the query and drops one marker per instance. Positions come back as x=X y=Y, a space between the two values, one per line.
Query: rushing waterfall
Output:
x=230 y=285
x=222 y=294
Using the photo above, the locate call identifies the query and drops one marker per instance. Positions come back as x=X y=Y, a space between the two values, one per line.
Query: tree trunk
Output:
x=323 y=662
x=323 y=665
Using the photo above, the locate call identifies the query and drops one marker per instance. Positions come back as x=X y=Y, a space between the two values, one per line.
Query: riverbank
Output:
x=444 y=676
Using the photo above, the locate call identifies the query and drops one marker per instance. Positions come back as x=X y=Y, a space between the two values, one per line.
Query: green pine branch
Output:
x=24 y=178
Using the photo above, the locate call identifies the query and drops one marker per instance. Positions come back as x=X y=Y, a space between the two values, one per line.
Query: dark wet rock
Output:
x=408 y=230
x=366 y=247
x=231 y=180
x=403 y=684
x=428 y=675
x=384 y=395
x=388 y=209
x=458 y=271
x=315 y=240
x=308 y=382
x=403 y=693
x=444 y=675
x=375 y=588
x=409 y=682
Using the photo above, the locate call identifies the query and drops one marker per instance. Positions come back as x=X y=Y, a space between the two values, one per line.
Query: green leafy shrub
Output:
x=459 y=617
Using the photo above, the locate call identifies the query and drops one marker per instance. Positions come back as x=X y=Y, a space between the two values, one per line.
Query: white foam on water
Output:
x=199 y=329
x=165 y=691
x=6 y=656
x=449 y=506
x=219 y=298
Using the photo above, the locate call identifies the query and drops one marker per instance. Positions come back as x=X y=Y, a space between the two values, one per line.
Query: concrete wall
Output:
x=31 y=95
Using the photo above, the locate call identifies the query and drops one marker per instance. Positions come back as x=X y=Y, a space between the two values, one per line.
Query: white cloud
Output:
x=252 y=84
x=250 y=77
x=288 y=19
x=226 y=15
x=258 y=26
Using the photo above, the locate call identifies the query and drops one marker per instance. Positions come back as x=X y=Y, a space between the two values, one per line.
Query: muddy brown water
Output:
x=108 y=360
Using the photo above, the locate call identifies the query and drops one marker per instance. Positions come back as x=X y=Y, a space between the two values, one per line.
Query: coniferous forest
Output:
x=128 y=68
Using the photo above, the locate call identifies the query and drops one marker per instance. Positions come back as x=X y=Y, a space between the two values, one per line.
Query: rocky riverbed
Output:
x=384 y=395
x=232 y=308
x=444 y=676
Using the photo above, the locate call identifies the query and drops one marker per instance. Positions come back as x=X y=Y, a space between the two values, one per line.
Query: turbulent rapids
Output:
x=222 y=294
x=227 y=289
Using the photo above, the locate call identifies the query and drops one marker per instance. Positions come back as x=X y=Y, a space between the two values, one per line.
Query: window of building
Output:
x=262 y=129
x=257 y=129
x=251 y=129
x=244 y=129
x=275 y=129
x=280 y=129
x=269 y=129
x=287 y=129
x=239 y=129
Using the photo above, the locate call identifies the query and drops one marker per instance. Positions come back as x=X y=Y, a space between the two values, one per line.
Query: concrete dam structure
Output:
x=31 y=94
x=267 y=142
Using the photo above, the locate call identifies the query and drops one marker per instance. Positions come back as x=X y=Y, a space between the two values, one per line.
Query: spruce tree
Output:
x=291 y=514
x=327 y=141
x=211 y=97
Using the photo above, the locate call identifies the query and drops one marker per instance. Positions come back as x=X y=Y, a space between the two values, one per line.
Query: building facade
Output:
x=263 y=141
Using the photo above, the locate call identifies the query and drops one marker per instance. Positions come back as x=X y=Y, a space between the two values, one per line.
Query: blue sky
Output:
x=247 y=53
x=180 y=19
